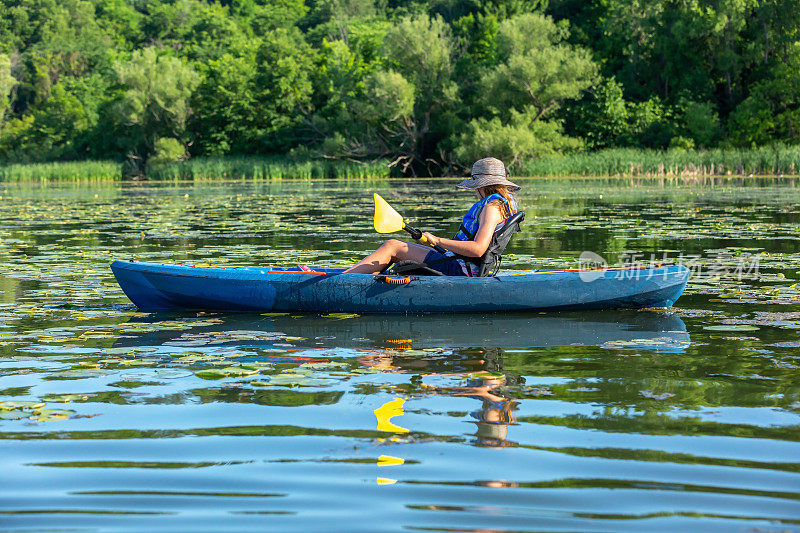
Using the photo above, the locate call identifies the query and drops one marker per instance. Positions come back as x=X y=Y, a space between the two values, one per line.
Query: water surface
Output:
x=679 y=419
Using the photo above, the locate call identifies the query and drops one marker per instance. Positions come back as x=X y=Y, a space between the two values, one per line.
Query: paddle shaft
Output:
x=417 y=234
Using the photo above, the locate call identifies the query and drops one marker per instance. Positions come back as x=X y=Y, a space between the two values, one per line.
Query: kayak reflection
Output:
x=483 y=357
x=613 y=329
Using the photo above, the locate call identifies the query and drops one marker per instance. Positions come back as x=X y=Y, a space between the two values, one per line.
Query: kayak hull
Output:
x=158 y=287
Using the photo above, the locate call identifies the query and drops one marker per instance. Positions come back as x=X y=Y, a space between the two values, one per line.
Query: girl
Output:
x=495 y=204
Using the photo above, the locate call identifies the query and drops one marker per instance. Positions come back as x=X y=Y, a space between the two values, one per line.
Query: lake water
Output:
x=675 y=420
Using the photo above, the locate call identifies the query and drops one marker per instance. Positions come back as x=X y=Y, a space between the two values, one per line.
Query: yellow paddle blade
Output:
x=387 y=220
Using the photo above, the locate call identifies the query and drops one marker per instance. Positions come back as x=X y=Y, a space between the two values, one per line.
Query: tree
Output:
x=772 y=110
x=263 y=16
x=225 y=106
x=332 y=18
x=701 y=123
x=154 y=102
x=419 y=56
x=651 y=124
x=479 y=34
x=7 y=83
x=418 y=83
x=282 y=88
x=603 y=119
x=537 y=68
x=56 y=129
x=521 y=137
x=537 y=72
x=339 y=95
x=388 y=103
x=606 y=119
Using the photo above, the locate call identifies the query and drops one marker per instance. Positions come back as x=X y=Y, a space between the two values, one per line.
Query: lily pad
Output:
x=14 y=415
x=486 y=375
x=48 y=415
x=732 y=327
x=654 y=396
x=12 y=405
x=156 y=374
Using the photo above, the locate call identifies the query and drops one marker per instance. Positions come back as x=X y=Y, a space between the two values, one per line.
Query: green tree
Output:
x=7 y=83
x=167 y=150
x=701 y=123
x=772 y=110
x=258 y=100
x=606 y=119
x=521 y=137
x=344 y=121
x=537 y=73
x=282 y=89
x=55 y=129
x=225 y=106
x=338 y=95
x=121 y=20
x=154 y=102
x=451 y=10
x=16 y=139
x=419 y=51
x=262 y=16
x=603 y=119
x=398 y=104
x=478 y=33
x=332 y=18
x=418 y=82
x=651 y=124
x=537 y=68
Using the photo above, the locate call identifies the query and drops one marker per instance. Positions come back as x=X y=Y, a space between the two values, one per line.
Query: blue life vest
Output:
x=471 y=221
x=470 y=225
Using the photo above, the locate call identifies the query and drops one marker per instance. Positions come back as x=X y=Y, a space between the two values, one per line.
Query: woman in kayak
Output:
x=494 y=206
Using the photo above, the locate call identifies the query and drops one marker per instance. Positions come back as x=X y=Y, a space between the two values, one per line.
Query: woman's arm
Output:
x=490 y=218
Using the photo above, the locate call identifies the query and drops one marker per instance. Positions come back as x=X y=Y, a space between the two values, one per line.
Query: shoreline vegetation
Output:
x=331 y=88
x=631 y=162
x=616 y=162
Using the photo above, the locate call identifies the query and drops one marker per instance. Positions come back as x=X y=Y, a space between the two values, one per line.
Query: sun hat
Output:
x=488 y=171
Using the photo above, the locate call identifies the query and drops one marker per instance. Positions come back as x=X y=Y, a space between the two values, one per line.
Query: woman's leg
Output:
x=390 y=252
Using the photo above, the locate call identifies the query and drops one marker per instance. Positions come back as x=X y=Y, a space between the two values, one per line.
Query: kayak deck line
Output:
x=603 y=269
x=297 y=272
x=208 y=265
x=510 y=273
x=197 y=265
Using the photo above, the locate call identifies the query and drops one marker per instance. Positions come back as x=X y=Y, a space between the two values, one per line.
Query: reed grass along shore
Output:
x=623 y=162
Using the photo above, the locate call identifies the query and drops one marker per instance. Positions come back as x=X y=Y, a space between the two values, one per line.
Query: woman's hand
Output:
x=490 y=218
x=430 y=238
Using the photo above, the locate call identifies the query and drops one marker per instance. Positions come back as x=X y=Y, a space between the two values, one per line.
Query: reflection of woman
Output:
x=497 y=407
x=487 y=385
x=495 y=204
x=495 y=413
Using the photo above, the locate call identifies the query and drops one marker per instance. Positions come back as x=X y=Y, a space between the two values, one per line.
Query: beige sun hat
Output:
x=488 y=171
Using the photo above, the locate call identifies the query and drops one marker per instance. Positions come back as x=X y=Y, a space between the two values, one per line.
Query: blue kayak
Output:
x=157 y=287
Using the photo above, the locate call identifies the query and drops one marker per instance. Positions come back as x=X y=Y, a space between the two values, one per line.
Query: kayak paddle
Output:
x=387 y=220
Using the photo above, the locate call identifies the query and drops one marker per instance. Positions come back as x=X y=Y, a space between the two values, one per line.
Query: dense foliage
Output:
x=427 y=85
